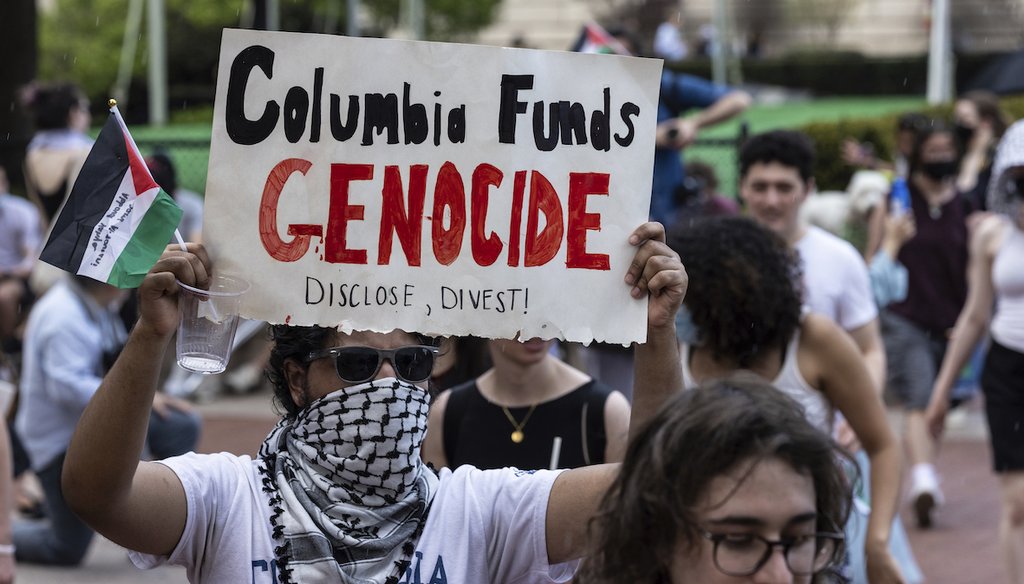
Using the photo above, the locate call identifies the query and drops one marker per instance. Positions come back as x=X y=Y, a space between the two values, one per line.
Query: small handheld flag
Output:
x=595 y=39
x=117 y=220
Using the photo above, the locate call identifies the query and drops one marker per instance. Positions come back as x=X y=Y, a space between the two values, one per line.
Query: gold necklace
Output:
x=517 y=434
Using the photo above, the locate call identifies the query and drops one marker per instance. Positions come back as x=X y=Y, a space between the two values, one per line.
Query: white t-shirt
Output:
x=483 y=526
x=836 y=281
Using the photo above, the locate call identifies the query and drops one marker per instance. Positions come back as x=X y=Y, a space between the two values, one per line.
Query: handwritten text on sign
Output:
x=441 y=188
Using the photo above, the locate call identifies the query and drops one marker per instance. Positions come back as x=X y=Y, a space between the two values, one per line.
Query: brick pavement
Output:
x=960 y=549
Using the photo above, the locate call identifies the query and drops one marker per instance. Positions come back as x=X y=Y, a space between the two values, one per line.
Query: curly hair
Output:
x=652 y=506
x=295 y=342
x=745 y=287
x=292 y=342
x=788 y=148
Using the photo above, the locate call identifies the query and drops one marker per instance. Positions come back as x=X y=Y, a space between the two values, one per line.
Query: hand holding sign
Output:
x=656 y=271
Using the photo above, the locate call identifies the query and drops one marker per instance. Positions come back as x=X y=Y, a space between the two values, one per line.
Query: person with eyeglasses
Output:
x=729 y=483
x=338 y=491
x=805 y=355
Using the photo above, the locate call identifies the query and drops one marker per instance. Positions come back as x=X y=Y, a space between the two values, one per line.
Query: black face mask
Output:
x=963 y=134
x=939 y=169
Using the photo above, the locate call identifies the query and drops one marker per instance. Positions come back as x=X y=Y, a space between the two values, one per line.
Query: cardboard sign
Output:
x=441 y=188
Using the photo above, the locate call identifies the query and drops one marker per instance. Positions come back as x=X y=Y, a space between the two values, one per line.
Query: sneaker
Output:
x=925 y=495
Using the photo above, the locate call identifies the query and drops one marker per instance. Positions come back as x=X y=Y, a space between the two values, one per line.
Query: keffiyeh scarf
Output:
x=348 y=491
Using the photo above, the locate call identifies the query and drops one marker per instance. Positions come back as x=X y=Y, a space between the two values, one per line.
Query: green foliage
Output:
x=843 y=72
x=832 y=173
x=80 y=41
x=445 y=20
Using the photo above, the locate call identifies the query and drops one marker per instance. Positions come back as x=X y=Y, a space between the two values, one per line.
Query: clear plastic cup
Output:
x=207 y=323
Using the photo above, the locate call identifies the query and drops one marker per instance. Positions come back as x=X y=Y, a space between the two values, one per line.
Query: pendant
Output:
x=517 y=436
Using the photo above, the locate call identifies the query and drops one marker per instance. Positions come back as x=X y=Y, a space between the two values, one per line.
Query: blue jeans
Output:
x=64 y=539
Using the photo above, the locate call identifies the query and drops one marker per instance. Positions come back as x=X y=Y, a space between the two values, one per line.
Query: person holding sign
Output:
x=339 y=492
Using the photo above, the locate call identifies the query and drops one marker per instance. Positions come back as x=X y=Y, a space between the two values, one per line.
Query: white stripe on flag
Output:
x=114 y=230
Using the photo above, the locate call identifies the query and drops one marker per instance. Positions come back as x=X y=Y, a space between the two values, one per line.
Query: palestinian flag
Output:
x=116 y=221
x=595 y=39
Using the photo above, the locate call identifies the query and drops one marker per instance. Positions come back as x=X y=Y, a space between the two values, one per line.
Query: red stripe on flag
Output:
x=141 y=177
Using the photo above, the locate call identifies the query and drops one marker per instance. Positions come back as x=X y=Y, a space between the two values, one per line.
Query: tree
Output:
x=444 y=20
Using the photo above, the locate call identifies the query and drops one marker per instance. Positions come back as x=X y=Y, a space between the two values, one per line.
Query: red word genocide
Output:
x=402 y=215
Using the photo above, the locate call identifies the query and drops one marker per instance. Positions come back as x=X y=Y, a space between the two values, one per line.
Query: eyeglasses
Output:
x=413 y=363
x=744 y=554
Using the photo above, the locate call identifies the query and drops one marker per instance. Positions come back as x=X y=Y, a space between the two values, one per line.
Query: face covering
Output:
x=346 y=475
x=940 y=169
x=963 y=134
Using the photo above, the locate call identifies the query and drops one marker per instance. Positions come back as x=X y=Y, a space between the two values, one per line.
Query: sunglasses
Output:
x=413 y=363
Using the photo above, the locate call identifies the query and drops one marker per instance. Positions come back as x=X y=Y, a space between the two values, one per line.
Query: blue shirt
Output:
x=65 y=340
x=679 y=94
x=888 y=279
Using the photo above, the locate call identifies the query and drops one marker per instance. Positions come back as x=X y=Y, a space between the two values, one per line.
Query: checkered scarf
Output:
x=348 y=491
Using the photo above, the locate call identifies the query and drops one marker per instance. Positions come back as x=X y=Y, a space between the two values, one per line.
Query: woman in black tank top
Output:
x=529 y=411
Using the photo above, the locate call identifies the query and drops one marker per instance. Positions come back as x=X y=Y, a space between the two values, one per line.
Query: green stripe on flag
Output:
x=147 y=243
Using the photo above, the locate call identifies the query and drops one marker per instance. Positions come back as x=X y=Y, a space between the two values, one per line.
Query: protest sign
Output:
x=433 y=187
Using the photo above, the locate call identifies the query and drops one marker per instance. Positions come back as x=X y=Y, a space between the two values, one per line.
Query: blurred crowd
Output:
x=926 y=308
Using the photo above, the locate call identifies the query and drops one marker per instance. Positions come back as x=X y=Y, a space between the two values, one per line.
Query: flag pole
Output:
x=112 y=104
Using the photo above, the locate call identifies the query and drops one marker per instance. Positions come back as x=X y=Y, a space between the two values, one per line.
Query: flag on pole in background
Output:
x=595 y=39
x=117 y=220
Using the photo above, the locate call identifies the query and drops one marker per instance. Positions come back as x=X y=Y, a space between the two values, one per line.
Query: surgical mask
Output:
x=939 y=169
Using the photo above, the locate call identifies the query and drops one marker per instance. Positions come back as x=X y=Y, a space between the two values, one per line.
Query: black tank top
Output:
x=478 y=432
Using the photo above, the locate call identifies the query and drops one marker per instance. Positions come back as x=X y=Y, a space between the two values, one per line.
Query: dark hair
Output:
x=788 y=148
x=925 y=133
x=745 y=286
x=52 y=104
x=162 y=168
x=292 y=342
x=989 y=109
x=704 y=172
x=912 y=121
x=699 y=435
x=295 y=342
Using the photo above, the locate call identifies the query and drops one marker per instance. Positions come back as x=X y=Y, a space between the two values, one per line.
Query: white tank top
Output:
x=790 y=382
x=1008 y=282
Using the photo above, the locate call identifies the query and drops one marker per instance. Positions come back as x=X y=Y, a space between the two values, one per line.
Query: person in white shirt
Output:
x=339 y=492
x=775 y=180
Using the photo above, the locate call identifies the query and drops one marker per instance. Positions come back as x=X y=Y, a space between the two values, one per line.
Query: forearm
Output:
x=727 y=107
x=6 y=485
x=966 y=335
x=106 y=446
x=886 y=465
x=657 y=375
x=874 y=360
x=970 y=167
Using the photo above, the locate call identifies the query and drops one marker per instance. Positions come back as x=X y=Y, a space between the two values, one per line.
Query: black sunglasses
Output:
x=413 y=363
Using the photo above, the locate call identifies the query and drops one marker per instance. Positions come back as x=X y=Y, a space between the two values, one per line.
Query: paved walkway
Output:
x=960 y=549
